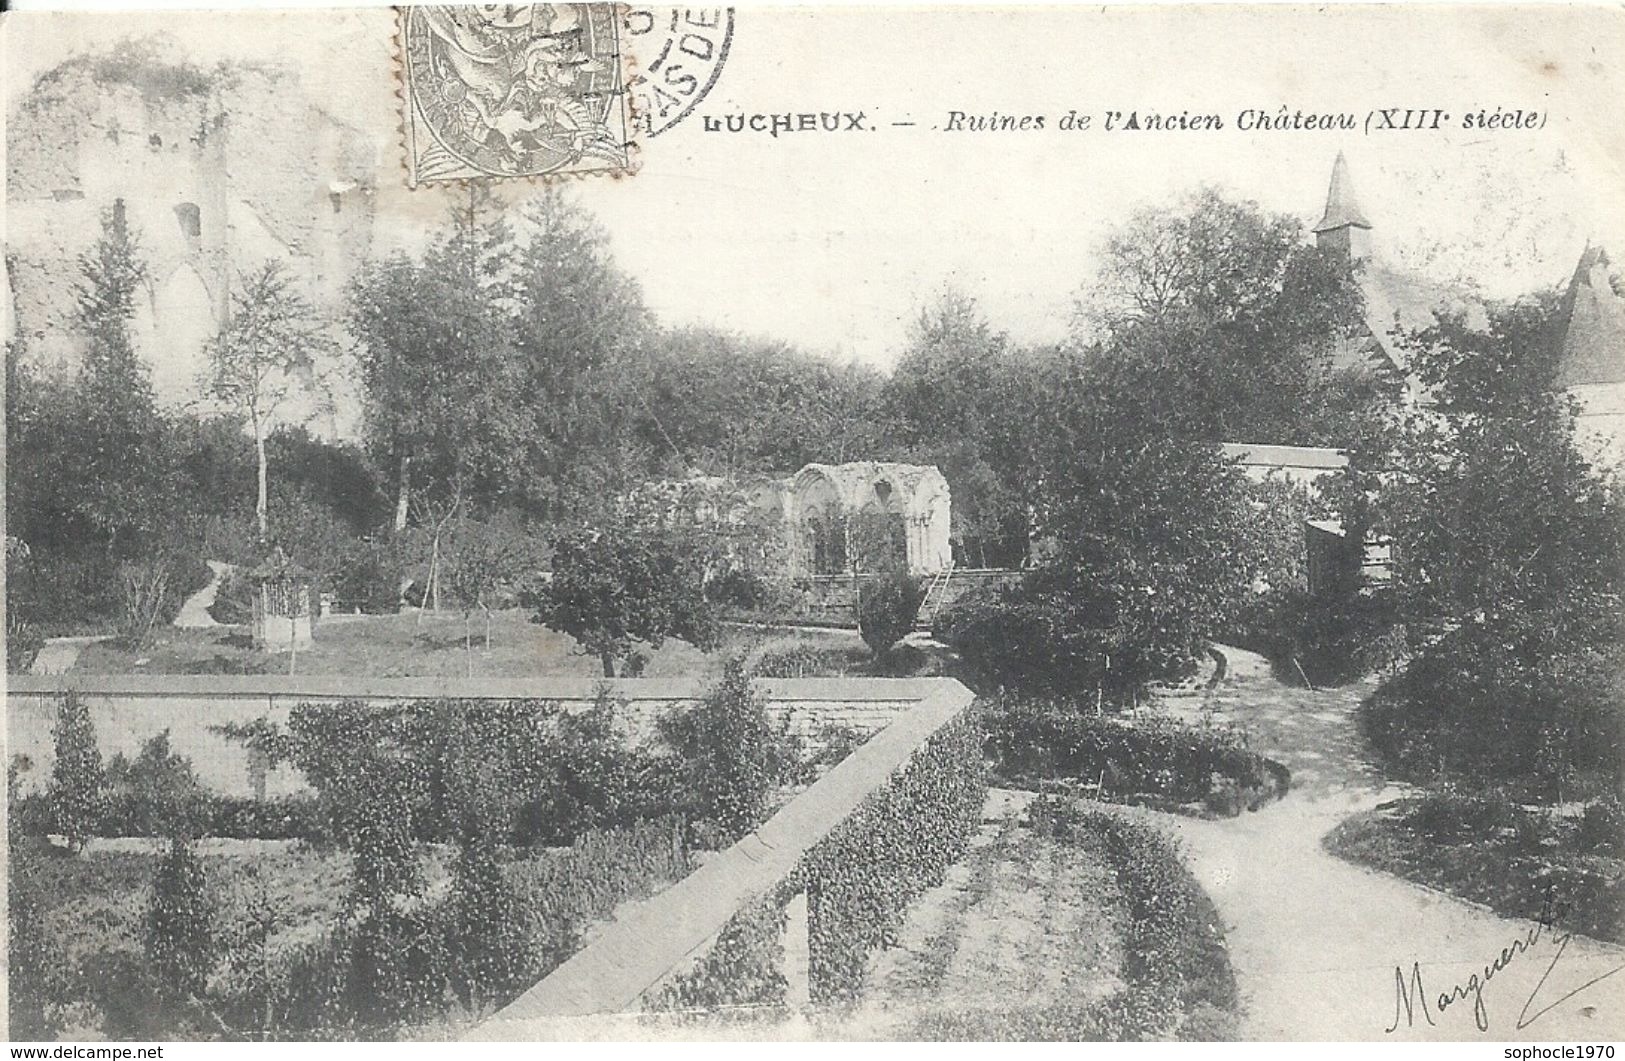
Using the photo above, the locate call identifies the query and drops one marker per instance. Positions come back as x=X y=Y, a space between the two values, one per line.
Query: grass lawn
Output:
x=1507 y=857
x=386 y=646
x=429 y=645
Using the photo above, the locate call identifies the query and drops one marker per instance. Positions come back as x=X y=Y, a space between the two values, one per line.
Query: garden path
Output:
x=59 y=654
x=1316 y=941
x=194 y=613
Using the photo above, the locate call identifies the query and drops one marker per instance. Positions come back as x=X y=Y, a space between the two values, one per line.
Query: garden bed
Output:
x=1076 y=925
x=91 y=911
x=1519 y=861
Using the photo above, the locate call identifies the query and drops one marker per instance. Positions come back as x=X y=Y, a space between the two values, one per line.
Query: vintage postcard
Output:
x=573 y=521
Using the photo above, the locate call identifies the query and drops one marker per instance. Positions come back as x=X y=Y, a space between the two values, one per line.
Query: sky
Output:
x=832 y=241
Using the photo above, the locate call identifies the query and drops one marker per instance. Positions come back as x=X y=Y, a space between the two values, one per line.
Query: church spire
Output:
x=1344 y=225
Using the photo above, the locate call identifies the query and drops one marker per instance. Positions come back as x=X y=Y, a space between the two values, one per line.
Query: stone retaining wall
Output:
x=127 y=710
x=833 y=599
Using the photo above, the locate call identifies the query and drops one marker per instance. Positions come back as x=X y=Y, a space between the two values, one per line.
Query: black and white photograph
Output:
x=584 y=522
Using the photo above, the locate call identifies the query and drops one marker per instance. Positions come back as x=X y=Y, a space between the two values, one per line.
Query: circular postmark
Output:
x=680 y=54
x=510 y=89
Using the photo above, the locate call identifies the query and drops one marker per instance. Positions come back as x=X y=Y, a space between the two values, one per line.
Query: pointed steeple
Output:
x=1344 y=225
x=1342 y=206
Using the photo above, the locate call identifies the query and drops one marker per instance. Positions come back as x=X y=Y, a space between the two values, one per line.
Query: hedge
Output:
x=1147 y=760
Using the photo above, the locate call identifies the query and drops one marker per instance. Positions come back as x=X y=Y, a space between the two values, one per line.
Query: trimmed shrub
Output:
x=800 y=660
x=180 y=943
x=1154 y=760
x=731 y=757
x=156 y=794
x=888 y=606
x=898 y=843
x=77 y=788
x=1474 y=711
x=233 y=599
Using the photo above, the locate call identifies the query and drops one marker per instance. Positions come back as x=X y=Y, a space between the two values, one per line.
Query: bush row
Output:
x=741 y=975
x=203 y=814
x=1033 y=740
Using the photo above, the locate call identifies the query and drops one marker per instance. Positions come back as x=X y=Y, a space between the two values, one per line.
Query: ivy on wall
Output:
x=859 y=881
x=900 y=842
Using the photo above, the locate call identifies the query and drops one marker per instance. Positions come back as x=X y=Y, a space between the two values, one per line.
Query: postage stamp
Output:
x=513 y=90
x=678 y=56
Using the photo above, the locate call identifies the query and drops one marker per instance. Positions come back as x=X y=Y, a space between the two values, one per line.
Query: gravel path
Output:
x=1316 y=941
x=194 y=613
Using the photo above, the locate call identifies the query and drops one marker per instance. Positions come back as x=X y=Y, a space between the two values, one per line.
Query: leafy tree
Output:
x=1509 y=564
x=621 y=583
x=77 y=786
x=271 y=336
x=480 y=558
x=582 y=336
x=1223 y=319
x=952 y=402
x=156 y=793
x=180 y=939
x=735 y=405
x=1146 y=556
x=443 y=398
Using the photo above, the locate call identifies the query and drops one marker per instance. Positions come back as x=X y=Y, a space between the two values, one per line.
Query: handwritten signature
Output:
x=1411 y=997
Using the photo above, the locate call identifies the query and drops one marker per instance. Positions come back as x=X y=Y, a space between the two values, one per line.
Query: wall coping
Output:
x=274 y=686
x=651 y=938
